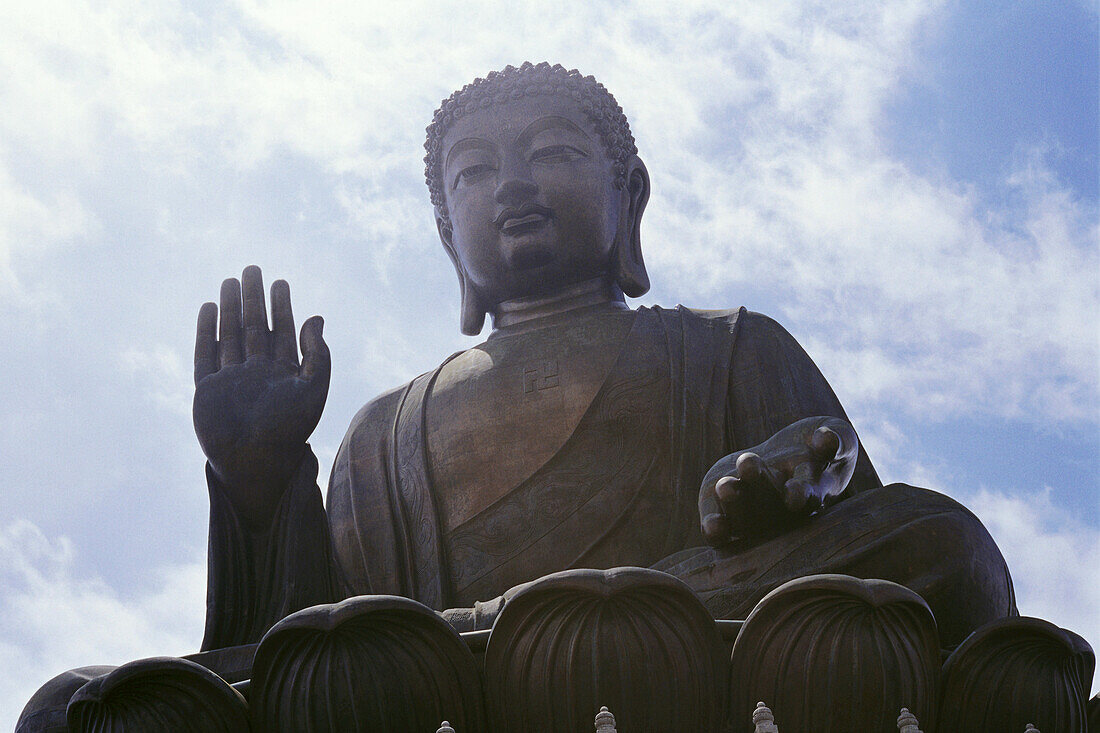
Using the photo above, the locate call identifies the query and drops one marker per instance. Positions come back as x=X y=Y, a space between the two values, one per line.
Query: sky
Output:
x=908 y=186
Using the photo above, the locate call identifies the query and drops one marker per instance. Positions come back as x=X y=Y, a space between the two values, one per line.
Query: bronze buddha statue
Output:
x=580 y=433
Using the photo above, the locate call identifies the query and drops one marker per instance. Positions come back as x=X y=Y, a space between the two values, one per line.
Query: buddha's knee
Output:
x=952 y=562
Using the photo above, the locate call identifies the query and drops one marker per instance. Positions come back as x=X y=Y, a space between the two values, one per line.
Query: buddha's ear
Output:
x=472 y=313
x=627 y=263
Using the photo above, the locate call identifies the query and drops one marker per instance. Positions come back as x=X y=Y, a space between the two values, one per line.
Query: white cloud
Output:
x=914 y=292
x=55 y=619
x=164 y=375
x=30 y=226
x=1053 y=558
x=969 y=310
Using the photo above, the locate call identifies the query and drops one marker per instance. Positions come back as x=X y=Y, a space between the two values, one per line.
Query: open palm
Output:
x=255 y=404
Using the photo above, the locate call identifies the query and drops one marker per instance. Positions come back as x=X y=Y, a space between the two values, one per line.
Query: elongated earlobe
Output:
x=471 y=312
x=472 y=318
x=627 y=263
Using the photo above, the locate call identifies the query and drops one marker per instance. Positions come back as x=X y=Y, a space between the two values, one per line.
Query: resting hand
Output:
x=255 y=405
x=798 y=471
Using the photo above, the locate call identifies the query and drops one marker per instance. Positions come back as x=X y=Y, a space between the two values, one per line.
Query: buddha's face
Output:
x=531 y=197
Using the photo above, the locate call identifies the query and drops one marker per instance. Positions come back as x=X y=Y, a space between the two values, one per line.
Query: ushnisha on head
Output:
x=538 y=190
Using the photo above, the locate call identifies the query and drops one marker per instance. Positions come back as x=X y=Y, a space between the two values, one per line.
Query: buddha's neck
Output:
x=524 y=312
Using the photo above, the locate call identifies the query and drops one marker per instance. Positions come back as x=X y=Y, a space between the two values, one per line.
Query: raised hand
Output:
x=255 y=405
x=757 y=492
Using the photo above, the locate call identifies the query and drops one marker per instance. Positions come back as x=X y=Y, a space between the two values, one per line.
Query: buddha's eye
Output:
x=472 y=173
x=557 y=154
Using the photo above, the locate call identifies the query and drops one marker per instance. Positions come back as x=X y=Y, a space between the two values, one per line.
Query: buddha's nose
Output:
x=516 y=186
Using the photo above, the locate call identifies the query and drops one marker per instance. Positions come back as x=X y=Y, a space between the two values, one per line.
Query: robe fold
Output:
x=697 y=386
x=255 y=578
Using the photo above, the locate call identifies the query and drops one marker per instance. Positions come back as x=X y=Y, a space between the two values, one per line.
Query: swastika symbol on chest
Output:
x=540 y=375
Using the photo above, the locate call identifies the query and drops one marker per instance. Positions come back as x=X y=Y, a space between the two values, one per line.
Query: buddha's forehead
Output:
x=503 y=122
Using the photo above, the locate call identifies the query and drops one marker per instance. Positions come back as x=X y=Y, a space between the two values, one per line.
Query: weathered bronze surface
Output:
x=579 y=434
x=45 y=711
x=800 y=647
x=161 y=693
x=828 y=653
x=379 y=663
x=1022 y=670
x=636 y=640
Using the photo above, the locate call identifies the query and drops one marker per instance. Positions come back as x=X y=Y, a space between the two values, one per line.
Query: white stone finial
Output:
x=907 y=722
x=1031 y=728
x=763 y=719
x=605 y=721
x=445 y=727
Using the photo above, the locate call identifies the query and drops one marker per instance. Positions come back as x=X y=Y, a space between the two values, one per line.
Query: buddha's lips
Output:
x=523 y=217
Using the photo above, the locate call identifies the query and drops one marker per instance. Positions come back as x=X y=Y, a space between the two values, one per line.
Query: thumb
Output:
x=716 y=530
x=801 y=491
x=315 y=355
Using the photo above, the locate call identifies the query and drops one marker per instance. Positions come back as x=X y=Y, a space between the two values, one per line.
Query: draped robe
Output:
x=687 y=388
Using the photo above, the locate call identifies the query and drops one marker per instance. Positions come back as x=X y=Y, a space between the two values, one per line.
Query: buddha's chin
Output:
x=528 y=253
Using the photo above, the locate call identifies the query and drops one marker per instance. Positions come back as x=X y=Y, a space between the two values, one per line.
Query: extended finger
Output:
x=728 y=488
x=749 y=467
x=206 y=342
x=754 y=470
x=255 y=312
x=229 y=324
x=716 y=530
x=316 y=364
x=284 y=347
